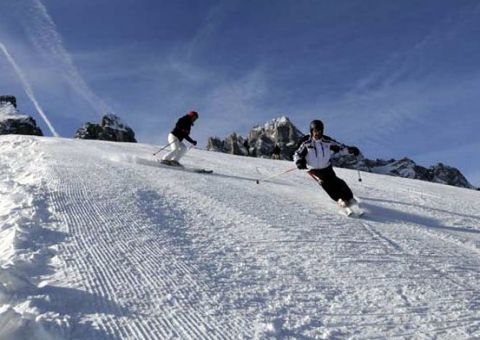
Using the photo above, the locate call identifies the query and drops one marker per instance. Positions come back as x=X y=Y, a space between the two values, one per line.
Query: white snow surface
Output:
x=97 y=241
x=8 y=111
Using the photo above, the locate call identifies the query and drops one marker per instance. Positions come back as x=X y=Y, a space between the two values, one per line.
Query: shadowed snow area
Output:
x=100 y=241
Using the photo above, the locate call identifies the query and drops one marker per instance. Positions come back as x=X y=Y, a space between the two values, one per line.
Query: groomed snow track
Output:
x=144 y=252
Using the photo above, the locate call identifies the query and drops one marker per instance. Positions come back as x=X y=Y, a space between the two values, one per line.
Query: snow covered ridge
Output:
x=100 y=242
x=262 y=140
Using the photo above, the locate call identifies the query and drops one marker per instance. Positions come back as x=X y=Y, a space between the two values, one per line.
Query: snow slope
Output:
x=99 y=242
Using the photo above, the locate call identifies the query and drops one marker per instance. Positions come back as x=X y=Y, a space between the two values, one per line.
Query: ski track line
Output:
x=466 y=290
x=242 y=231
x=98 y=260
x=438 y=236
x=127 y=279
x=85 y=217
x=392 y=247
x=131 y=281
x=267 y=232
x=89 y=218
x=449 y=234
x=392 y=244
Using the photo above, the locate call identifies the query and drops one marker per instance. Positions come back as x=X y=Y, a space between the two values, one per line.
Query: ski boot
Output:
x=343 y=207
x=352 y=206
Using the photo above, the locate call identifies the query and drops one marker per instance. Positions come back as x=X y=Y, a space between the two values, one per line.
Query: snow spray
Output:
x=28 y=89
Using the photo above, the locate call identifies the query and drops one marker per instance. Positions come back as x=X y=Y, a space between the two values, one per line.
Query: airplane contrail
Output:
x=28 y=89
x=43 y=33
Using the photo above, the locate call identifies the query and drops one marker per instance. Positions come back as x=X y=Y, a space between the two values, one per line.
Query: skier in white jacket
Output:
x=314 y=154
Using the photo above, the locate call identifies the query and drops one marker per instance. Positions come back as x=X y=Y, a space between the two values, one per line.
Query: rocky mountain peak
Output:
x=262 y=140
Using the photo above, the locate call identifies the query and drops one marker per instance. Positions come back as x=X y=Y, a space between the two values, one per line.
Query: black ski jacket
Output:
x=182 y=128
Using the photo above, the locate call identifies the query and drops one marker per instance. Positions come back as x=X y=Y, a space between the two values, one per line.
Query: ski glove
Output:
x=301 y=164
x=354 y=150
x=194 y=142
x=335 y=148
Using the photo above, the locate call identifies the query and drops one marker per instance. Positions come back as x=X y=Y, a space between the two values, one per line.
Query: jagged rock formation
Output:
x=111 y=129
x=13 y=122
x=8 y=99
x=261 y=142
x=406 y=168
x=233 y=144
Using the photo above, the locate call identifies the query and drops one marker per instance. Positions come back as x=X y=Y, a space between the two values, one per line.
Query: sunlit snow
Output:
x=97 y=241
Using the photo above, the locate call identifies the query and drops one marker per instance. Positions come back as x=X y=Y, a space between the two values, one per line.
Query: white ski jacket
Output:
x=317 y=153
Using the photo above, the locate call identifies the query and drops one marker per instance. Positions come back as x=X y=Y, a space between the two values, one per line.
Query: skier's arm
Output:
x=334 y=145
x=299 y=157
x=337 y=146
x=190 y=140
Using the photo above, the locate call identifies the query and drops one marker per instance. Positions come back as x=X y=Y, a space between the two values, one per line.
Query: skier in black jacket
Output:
x=315 y=151
x=175 y=138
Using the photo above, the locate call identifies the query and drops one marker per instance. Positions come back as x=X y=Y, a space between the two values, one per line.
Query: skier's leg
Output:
x=175 y=145
x=328 y=182
x=344 y=191
x=182 y=149
x=334 y=186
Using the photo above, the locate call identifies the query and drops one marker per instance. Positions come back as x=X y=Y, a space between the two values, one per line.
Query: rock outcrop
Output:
x=8 y=99
x=14 y=122
x=111 y=128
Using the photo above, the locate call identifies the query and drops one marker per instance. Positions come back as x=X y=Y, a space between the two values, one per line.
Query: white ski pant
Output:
x=178 y=149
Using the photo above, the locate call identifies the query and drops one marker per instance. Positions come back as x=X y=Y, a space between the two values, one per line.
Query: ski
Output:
x=350 y=213
x=159 y=164
x=200 y=171
x=177 y=166
x=187 y=169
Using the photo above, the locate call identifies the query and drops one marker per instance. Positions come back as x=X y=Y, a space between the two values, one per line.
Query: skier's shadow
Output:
x=429 y=208
x=78 y=303
x=381 y=214
x=250 y=179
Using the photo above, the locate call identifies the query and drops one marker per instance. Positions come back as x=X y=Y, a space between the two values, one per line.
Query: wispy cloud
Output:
x=210 y=25
x=410 y=88
x=239 y=99
x=43 y=33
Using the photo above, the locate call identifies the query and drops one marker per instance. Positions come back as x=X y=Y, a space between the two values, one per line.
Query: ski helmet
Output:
x=316 y=125
x=193 y=115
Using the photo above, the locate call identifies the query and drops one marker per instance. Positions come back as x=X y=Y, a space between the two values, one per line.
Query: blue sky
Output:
x=396 y=78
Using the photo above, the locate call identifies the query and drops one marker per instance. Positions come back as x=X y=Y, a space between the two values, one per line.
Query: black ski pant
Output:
x=334 y=186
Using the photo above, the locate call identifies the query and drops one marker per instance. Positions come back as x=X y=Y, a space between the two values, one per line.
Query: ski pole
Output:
x=358 y=170
x=318 y=180
x=166 y=146
x=275 y=175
